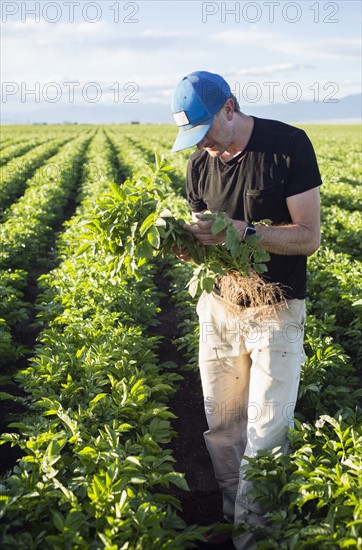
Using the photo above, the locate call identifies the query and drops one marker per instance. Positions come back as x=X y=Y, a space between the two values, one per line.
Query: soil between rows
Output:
x=202 y=505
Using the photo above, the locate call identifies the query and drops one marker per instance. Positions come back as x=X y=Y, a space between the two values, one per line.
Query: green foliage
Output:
x=343 y=228
x=328 y=381
x=14 y=174
x=314 y=494
x=26 y=232
x=334 y=289
x=13 y=310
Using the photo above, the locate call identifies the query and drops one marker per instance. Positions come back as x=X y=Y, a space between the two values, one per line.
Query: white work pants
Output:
x=250 y=368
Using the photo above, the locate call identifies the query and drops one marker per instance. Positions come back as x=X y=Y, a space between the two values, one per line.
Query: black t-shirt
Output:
x=278 y=162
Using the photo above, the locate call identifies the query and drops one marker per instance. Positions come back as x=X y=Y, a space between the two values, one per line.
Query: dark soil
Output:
x=9 y=411
x=202 y=505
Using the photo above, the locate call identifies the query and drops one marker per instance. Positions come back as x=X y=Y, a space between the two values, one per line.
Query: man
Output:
x=252 y=169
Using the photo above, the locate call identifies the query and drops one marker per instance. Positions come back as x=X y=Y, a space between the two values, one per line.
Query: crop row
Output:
x=25 y=232
x=27 y=140
x=15 y=174
x=18 y=149
x=27 y=227
x=12 y=135
x=13 y=310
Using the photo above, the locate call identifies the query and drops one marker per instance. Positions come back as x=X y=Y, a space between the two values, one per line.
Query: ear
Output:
x=229 y=108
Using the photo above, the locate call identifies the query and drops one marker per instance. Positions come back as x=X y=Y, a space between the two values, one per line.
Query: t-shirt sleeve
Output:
x=303 y=170
x=193 y=189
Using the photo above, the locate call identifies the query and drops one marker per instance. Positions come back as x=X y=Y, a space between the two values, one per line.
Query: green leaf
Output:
x=265 y=221
x=166 y=213
x=153 y=237
x=219 y=225
x=260 y=268
x=160 y=222
x=193 y=285
x=232 y=241
x=58 y=520
x=88 y=451
x=134 y=460
x=5 y=395
x=178 y=480
x=83 y=248
x=144 y=250
x=148 y=222
x=138 y=480
x=98 y=397
x=208 y=284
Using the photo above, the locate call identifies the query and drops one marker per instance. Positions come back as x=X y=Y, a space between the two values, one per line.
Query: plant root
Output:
x=251 y=291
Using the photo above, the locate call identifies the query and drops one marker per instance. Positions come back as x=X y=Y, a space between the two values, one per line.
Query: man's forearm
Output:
x=287 y=240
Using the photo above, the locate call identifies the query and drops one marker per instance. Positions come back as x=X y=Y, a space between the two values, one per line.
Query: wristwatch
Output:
x=249 y=230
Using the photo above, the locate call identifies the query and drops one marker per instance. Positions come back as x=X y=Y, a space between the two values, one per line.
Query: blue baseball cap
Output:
x=196 y=100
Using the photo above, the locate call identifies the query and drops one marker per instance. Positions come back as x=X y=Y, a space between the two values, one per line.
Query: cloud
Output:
x=245 y=37
x=268 y=69
x=337 y=47
x=43 y=33
x=162 y=48
x=153 y=39
x=323 y=48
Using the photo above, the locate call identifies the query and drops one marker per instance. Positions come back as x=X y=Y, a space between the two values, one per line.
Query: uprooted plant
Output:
x=135 y=223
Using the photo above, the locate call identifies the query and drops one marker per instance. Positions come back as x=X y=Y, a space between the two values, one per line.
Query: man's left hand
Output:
x=202 y=230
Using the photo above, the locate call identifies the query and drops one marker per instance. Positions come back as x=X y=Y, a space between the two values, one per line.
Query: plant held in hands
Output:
x=241 y=265
x=135 y=223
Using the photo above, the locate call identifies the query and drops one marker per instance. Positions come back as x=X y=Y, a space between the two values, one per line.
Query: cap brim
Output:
x=192 y=136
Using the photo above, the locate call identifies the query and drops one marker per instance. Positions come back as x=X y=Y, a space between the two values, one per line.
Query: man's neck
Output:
x=243 y=129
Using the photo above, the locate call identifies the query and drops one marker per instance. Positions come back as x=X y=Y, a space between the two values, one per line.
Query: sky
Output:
x=120 y=60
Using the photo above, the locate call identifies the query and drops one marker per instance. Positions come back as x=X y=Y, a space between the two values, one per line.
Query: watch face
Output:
x=250 y=231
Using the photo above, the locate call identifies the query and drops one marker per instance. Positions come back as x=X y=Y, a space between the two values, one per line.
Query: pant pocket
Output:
x=296 y=309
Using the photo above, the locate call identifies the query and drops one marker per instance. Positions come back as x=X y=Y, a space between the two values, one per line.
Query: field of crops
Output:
x=97 y=340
